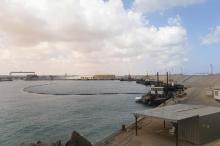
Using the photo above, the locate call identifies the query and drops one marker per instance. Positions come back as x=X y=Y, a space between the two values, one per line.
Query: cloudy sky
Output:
x=109 y=36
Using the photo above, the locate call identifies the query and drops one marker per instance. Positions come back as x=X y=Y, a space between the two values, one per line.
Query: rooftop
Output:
x=178 y=112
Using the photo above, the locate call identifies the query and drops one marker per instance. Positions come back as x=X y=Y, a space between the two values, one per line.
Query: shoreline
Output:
x=196 y=87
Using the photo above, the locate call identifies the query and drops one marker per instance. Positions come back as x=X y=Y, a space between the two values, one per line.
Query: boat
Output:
x=160 y=92
x=139 y=99
x=156 y=96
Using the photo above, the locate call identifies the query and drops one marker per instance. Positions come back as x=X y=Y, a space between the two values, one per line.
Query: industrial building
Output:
x=197 y=124
x=86 y=77
x=104 y=77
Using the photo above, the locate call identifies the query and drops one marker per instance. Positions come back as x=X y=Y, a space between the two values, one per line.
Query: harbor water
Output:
x=50 y=110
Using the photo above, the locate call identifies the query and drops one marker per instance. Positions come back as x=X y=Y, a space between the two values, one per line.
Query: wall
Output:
x=209 y=127
x=189 y=130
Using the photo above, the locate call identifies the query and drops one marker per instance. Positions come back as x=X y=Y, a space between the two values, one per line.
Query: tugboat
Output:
x=160 y=92
x=156 y=96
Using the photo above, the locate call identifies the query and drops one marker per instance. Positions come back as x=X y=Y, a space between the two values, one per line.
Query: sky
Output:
x=109 y=36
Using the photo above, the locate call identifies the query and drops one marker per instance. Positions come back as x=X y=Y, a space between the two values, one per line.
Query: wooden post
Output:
x=136 y=125
x=176 y=132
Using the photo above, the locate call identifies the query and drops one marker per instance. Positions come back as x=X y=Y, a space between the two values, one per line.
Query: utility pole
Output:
x=211 y=69
x=181 y=70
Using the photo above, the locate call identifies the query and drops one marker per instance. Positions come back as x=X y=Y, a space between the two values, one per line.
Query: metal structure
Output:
x=192 y=122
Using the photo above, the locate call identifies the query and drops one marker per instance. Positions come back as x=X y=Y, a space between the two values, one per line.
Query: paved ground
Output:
x=150 y=133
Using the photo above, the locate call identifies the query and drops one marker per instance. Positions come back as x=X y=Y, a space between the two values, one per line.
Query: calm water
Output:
x=90 y=107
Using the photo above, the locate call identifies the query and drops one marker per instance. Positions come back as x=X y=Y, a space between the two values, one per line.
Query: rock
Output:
x=39 y=143
x=77 y=140
x=58 y=143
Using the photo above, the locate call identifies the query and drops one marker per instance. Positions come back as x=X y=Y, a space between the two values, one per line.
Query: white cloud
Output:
x=161 y=5
x=53 y=36
x=212 y=37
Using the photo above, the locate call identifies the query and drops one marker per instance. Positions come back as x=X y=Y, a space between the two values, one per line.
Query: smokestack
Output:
x=157 y=78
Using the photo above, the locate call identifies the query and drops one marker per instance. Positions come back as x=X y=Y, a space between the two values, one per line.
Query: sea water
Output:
x=50 y=110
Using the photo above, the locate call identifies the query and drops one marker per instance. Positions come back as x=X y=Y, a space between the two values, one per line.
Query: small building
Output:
x=196 y=124
x=216 y=93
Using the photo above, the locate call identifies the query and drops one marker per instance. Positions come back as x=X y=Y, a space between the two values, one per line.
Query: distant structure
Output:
x=104 y=77
x=211 y=69
x=129 y=77
x=21 y=72
x=32 y=77
x=5 y=78
x=21 y=75
x=86 y=77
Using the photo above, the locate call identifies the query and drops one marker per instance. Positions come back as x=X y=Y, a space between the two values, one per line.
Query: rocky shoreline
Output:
x=75 y=140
